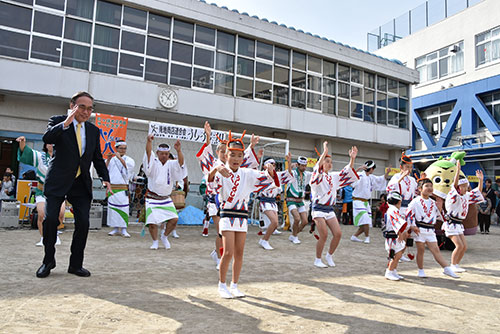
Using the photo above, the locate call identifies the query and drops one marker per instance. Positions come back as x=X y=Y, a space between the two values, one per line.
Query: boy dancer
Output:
x=405 y=185
x=396 y=233
x=457 y=206
x=423 y=213
x=162 y=174
x=295 y=198
x=324 y=186
x=362 y=193
x=234 y=186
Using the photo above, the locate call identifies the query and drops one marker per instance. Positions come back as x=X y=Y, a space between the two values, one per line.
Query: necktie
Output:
x=79 y=141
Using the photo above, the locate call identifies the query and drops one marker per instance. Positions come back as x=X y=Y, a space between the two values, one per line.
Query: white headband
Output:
x=395 y=195
x=120 y=143
x=163 y=149
x=269 y=161
x=302 y=161
x=463 y=181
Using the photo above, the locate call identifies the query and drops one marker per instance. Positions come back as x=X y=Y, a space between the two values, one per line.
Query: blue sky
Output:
x=346 y=21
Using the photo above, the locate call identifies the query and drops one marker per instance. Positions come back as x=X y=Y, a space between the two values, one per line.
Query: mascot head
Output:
x=442 y=172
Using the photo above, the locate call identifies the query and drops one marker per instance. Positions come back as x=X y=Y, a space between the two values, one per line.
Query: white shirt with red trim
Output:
x=407 y=187
x=284 y=177
x=324 y=185
x=423 y=210
x=395 y=221
x=457 y=206
x=234 y=191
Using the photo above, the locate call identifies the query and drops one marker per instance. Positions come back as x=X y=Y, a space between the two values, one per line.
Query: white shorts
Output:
x=453 y=229
x=394 y=244
x=426 y=235
x=40 y=199
x=325 y=215
x=266 y=206
x=233 y=224
x=362 y=213
x=301 y=209
x=212 y=209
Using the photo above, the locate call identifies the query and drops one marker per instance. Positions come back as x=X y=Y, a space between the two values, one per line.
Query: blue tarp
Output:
x=191 y=216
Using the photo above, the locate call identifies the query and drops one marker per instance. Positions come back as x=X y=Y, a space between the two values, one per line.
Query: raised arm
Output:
x=149 y=146
x=457 y=174
x=22 y=143
x=208 y=132
x=480 y=176
x=180 y=156
x=324 y=154
x=353 y=153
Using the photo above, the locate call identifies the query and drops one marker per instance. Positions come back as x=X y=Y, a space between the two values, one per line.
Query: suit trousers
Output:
x=80 y=200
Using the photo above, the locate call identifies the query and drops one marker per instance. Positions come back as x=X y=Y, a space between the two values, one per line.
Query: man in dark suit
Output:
x=76 y=146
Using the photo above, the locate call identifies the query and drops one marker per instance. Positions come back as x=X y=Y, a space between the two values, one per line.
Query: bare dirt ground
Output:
x=136 y=290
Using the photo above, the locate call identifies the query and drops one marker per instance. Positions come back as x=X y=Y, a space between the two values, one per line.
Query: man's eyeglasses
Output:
x=83 y=107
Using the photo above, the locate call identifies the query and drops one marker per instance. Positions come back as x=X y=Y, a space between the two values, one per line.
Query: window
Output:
x=264 y=50
x=104 y=61
x=492 y=103
x=441 y=63
x=48 y=24
x=203 y=78
x=435 y=120
x=81 y=8
x=488 y=46
x=131 y=65
x=224 y=84
x=134 y=18
x=157 y=47
x=106 y=36
x=109 y=12
x=205 y=35
x=183 y=31
x=225 y=62
x=132 y=42
x=159 y=25
x=15 y=16
x=77 y=30
x=55 y=4
x=246 y=47
x=225 y=41
x=13 y=44
x=204 y=57
x=156 y=71
x=182 y=53
x=45 y=49
x=76 y=56
x=180 y=75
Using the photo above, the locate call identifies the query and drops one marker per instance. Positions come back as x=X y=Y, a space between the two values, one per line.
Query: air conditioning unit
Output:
x=455 y=48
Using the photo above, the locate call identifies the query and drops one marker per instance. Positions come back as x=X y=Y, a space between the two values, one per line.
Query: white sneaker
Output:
x=125 y=234
x=40 y=243
x=404 y=259
x=154 y=245
x=329 y=260
x=356 y=239
x=164 y=240
x=449 y=271
x=224 y=292
x=58 y=241
x=291 y=238
x=235 y=291
x=265 y=244
x=421 y=273
x=175 y=235
x=214 y=256
x=395 y=272
x=390 y=275
x=367 y=240
x=456 y=268
x=277 y=232
x=318 y=263
x=114 y=232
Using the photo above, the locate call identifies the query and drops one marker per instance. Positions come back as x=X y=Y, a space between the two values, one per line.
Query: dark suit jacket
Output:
x=66 y=159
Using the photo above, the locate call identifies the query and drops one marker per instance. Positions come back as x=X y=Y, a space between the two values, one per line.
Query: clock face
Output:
x=168 y=98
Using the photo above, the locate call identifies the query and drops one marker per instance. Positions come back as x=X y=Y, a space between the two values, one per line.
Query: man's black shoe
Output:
x=82 y=272
x=45 y=269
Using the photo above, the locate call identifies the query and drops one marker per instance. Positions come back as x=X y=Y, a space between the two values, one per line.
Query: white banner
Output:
x=174 y=131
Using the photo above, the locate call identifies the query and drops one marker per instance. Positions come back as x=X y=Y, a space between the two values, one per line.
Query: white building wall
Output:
x=462 y=26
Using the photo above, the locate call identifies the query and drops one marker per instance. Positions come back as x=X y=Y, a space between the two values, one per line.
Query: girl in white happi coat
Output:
x=268 y=205
x=207 y=163
x=324 y=186
x=404 y=184
x=361 y=195
x=457 y=206
x=162 y=174
x=234 y=186
x=422 y=214
x=396 y=233
x=121 y=172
